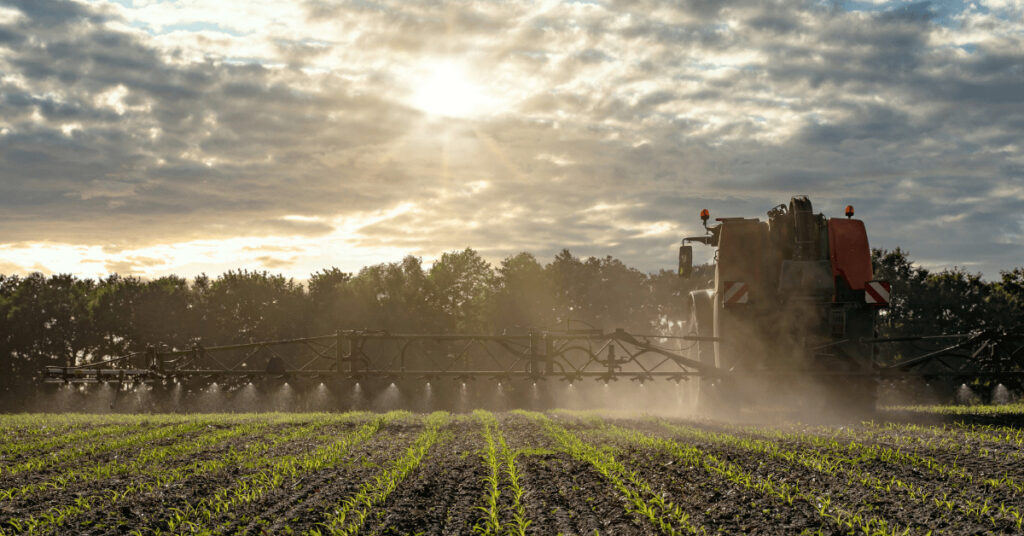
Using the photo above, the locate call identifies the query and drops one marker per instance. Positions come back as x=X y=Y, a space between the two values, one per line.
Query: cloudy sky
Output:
x=150 y=137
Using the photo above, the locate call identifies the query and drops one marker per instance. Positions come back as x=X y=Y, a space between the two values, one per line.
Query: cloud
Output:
x=294 y=226
x=136 y=129
x=132 y=264
x=275 y=263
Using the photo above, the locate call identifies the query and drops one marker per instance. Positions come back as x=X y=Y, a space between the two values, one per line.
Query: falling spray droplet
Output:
x=965 y=395
x=1001 y=395
x=320 y=398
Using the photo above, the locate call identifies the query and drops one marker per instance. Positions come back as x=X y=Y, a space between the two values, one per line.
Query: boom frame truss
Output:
x=357 y=354
x=566 y=355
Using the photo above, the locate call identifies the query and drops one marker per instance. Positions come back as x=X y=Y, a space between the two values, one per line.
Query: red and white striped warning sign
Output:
x=877 y=292
x=735 y=292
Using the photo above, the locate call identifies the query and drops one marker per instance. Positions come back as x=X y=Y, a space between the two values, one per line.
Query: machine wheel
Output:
x=702 y=389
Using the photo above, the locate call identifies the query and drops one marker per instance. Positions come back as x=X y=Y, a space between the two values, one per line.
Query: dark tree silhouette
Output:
x=61 y=319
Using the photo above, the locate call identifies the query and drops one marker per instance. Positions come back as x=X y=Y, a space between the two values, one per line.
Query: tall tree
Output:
x=394 y=297
x=244 y=306
x=49 y=321
x=462 y=284
x=330 y=300
x=164 y=312
x=111 y=309
x=524 y=296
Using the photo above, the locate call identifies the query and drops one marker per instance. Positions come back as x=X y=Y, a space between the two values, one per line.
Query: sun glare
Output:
x=448 y=90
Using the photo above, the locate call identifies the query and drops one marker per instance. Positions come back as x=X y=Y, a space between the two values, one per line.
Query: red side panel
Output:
x=849 y=251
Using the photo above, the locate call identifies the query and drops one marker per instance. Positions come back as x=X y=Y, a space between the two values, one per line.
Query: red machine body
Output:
x=791 y=299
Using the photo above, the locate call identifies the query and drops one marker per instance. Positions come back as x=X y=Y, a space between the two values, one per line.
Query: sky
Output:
x=150 y=137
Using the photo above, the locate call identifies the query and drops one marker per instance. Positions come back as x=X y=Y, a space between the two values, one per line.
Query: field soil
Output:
x=560 y=472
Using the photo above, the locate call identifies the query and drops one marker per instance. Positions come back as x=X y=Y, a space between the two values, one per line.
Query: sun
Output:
x=448 y=90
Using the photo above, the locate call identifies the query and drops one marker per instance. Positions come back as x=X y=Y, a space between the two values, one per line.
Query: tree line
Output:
x=62 y=319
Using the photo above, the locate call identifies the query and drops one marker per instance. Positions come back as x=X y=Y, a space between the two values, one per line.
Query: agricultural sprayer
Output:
x=791 y=309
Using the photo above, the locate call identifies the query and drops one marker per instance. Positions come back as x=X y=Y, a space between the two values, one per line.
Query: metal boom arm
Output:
x=363 y=353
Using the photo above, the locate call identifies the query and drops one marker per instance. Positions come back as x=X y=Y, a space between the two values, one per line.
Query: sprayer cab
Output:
x=792 y=296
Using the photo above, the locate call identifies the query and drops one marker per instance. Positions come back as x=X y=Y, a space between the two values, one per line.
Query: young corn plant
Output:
x=156 y=477
x=287 y=468
x=500 y=462
x=133 y=439
x=51 y=446
x=519 y=520
x=663 y=515
x=786 y=492
x=897 y=456
x=490 y=524
x=146 y=457
x=831 y=462
x=349 y=517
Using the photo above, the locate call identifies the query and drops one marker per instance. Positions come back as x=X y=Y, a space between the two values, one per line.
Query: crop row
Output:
x=851 y=469
x=123 y=438
x=989 y=409
x=849 y=461
x=214 y=475
x=348 y=517
x=197 y=517
x=159 y=476
x=51 y=444
x=50 y=432
x=103 y=470
x=844 y=519
x=975 y=441
x=999 y=436
x=663 y=514
x=36 y=424
x=500 y=462
x=863 y=450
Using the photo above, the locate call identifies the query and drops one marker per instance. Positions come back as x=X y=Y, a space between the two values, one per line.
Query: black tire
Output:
x=703 y=392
